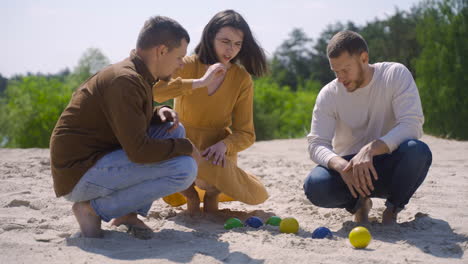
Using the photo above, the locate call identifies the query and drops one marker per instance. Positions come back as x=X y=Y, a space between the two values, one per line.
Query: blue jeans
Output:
x=399 y=176
x=115 y=186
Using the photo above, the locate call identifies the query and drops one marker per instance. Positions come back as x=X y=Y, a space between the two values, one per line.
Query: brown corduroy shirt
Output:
x=111 y=110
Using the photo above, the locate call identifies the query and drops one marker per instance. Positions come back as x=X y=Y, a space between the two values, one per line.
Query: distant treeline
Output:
x=430 y=39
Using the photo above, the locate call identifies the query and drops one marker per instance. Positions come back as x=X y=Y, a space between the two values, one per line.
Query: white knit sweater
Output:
x=388 y=108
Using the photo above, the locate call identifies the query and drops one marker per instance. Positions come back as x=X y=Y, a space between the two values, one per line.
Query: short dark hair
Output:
x=347 y=40
x=160 y=30
x=251 y=55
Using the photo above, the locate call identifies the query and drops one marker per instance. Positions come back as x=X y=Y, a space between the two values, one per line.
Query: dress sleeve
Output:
x=163 y=91
x=180 y=84
x=243 y=131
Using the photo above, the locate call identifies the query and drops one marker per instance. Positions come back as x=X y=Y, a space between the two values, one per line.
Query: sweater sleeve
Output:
x=243 y=132
x=406 y=107
x=124 y=108
x=322 y=129
x=163 y=90
x=180 y=84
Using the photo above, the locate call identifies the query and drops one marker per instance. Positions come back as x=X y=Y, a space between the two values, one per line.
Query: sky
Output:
x=50 y=35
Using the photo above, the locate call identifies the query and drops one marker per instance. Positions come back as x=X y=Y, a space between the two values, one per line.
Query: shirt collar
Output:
x=141 y=68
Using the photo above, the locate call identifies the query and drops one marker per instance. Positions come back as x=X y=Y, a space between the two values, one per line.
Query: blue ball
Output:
x=322 y=232
x=254 y=222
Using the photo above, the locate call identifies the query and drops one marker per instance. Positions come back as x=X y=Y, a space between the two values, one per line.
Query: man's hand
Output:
x=217 y=152
x=168 y=114
x=339 y=164
x=362 y=166
x=212 y=79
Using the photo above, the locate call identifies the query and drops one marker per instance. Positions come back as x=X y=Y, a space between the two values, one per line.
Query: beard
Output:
x=354 y=85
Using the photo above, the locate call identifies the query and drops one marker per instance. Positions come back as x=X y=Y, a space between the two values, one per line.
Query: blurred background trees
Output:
x=431 y=40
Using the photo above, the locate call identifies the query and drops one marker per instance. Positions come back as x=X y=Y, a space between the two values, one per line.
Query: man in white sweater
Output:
x=364 y=132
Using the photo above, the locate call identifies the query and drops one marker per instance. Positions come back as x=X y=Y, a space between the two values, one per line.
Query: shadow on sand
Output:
x=173 y=245
x=419 y=232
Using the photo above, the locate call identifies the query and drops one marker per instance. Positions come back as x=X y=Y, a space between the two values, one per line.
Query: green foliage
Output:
x=431 y=40
x=31 y=105
x=290 y=64
x=280 y=112
x=91 y=62
x=393 y=39
x=30 y=109
x=442 y=67
x=3 y=84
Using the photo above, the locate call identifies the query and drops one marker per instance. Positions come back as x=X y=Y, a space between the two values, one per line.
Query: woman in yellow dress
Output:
x=214 y=98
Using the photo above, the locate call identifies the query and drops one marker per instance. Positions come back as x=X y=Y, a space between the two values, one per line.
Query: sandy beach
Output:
x=36 y=227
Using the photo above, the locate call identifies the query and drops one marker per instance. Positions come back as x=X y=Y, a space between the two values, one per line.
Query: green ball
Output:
x=233 y=223
x=274 y=221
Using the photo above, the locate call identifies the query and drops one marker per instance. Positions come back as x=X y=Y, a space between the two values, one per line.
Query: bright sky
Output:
x=49 y=35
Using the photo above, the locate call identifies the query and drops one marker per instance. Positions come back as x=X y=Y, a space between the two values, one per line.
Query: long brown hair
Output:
x=251 y=55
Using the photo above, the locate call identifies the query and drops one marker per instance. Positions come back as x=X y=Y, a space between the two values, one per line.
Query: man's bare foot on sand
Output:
x=130 y=219
x=362 y=215
x=193 y=201
x=135 y=226
x=389 y=217
x=89 y=221
x=210 y=201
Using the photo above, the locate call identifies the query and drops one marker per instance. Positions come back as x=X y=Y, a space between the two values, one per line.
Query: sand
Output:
x=36 y=227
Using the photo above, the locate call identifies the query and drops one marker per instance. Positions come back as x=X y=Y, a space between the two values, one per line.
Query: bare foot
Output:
x=135 y=226
x=130 y=219
x=362 y=215
x=89 y=221
x=389 y=217
x=210 y=201
x=193 y=201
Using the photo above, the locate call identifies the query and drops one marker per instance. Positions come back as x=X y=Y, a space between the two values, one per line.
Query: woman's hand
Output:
x=217 y=152
x=212 y=79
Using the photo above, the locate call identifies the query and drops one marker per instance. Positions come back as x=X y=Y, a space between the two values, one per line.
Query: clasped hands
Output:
x=358 y=173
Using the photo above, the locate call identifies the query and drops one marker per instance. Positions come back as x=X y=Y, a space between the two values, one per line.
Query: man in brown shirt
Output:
x=112 y=154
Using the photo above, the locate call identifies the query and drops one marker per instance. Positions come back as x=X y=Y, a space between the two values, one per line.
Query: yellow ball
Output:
x=360 y=237
x=289 y=225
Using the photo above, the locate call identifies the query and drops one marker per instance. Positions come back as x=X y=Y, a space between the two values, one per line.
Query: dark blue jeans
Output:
x=399 y=176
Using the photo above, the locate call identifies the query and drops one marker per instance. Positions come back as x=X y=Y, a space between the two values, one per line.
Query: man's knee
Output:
x=189 y=170
x=418 y=150
x=179 y=132
x=316 y=186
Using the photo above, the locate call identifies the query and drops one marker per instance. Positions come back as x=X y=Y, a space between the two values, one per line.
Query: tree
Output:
x=3 y=84
x=90 y=62
x=32 y=104
x=393 y=39
x=442 y=67
x=291 y=62
x=30 y=109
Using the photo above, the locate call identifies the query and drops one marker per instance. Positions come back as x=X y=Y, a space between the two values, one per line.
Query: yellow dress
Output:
x=226 y=115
